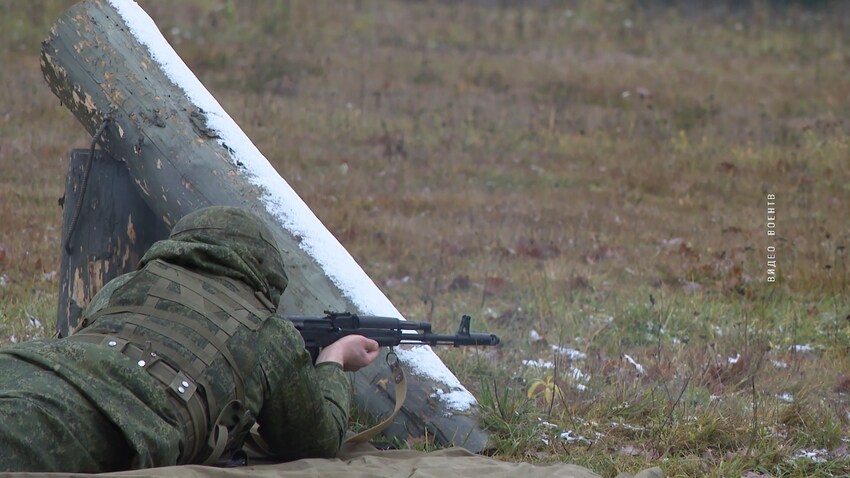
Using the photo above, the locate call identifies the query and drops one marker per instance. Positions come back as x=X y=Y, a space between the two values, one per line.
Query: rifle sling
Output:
x=400 y=385
x=256 y=443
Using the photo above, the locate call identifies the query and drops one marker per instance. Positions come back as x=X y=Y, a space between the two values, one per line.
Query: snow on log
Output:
x=183 y=152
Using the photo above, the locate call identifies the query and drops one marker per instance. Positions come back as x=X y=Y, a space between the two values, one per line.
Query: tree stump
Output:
x=113 y=230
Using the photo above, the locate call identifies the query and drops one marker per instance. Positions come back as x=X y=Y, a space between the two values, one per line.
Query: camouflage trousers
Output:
x=47 y=425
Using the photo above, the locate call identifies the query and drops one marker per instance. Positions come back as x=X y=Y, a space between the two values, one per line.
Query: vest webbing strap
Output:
x=193 y=367
x=195 y=282
x=222 y=318
x=225 y=319
x=202 y=295
x=128 y=333
x=142 y=319
x=205 y=355
x=215 y=340
x=233 y=421
x=225 y=314
x=183 y=389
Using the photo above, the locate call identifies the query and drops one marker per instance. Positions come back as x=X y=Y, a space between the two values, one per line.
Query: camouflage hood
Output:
x=225 y=241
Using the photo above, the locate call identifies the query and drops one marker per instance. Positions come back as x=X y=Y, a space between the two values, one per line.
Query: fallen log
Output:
x=107 y=62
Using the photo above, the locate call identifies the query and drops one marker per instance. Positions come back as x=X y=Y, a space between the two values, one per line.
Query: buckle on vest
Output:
x=183 y=387
x=114 y=343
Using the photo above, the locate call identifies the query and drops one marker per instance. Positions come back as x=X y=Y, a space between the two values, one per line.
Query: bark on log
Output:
x=178 y=161
x=114 y=229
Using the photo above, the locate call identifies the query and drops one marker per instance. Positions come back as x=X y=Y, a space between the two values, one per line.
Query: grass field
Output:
x=591 y=180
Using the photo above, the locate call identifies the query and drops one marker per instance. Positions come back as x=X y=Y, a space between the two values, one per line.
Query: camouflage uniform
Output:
x=174 y=363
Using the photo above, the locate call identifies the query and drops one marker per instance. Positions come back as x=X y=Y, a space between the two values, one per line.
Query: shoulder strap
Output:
x=233 y=421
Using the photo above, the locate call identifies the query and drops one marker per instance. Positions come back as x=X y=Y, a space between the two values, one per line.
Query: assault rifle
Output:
x=320 y=332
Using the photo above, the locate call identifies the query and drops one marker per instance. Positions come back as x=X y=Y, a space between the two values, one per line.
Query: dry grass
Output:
x=596 y=172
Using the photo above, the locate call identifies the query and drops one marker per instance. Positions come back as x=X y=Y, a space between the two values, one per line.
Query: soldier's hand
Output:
x=353 y=352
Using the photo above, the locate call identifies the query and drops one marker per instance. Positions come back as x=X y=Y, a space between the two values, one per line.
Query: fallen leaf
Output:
x=630 y=450
x=727 y=167
x=843 y=385
x=495 y=286
x=536 y=250
x=460 y=282
x=2 y=252
x=672 y=242
x=578 y=281
x=686 y=250
x=452 y=247
x=689 y=286
x=598 y=254
x=841 y=451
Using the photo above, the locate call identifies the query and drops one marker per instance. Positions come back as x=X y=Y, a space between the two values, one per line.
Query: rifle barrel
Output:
x=456 y=340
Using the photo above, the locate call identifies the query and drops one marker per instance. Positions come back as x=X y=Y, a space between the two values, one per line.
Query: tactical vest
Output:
x=159 y=341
